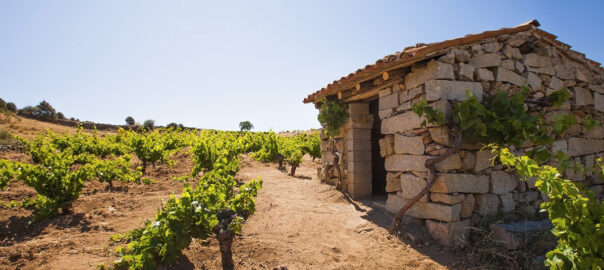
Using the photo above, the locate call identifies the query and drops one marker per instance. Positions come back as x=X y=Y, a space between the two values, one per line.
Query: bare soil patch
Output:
x=302 y=224
x=80 y=239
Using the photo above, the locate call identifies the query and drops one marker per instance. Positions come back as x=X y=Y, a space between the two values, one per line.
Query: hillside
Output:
x=28 y=128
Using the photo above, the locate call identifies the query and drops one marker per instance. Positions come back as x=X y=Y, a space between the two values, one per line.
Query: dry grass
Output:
x=28 y=128
x=485 y=252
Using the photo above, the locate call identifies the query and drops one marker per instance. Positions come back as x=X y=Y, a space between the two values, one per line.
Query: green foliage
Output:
x=540 y=154
x=7 y=171
x=245 y=126
x=130 y=121
x=153 y=147
x=109 y=170
x=559 y=97
x=503 y=120
x=11 y=107
x=332 y=116
x=269 y=151
x=46 y=110
x=311 y=144
x=577 y=216
x=291 y=149
x=60 y=116
x=82 y=143
x=194 y=214
x=2 y=104
x=432 y=116
x=149 y=124
x=204 y=156
x=589 y=123
x=63 y=163
x=43 y=111
x=563 y=122
x=174 y=126
x=55 y=178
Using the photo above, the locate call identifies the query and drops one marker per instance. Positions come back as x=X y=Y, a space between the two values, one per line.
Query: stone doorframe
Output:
x=358 y=147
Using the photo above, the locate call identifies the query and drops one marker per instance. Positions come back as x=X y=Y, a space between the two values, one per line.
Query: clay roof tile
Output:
x=415 y=53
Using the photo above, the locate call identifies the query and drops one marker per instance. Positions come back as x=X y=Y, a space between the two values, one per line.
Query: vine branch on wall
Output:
x=430 y=163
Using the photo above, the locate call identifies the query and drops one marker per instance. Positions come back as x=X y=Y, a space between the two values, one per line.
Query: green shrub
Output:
x=245 y=126
x=149 y=124
x=332 y=116
x=130 y=121
x=11 y=107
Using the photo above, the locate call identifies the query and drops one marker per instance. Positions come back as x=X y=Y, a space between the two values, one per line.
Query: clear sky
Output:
x=213 y=64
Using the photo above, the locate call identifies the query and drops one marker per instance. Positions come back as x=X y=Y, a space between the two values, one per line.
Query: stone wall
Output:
x=354 y=146
x=468 y=189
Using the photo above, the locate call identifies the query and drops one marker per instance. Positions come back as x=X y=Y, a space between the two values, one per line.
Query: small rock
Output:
x=514 y=235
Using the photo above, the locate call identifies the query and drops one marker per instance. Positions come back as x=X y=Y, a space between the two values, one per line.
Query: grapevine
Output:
x=503 y=121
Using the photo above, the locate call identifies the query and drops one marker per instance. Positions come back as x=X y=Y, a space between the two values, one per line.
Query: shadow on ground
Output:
x=411 y=231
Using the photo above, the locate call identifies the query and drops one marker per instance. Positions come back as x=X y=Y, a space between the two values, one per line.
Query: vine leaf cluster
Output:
x=503 y=121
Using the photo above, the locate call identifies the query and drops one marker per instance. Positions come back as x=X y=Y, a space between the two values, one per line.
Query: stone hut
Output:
x=384 y=148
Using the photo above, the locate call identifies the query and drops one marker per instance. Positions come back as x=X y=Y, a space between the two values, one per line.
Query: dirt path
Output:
x=303 y=224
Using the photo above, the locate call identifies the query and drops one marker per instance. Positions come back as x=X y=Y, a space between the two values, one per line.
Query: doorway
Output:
x=378 y=168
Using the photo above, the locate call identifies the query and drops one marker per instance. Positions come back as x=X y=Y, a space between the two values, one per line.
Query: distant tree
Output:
x=29 y=111
x=246 y=126
x=60 y=115
x=172 y=125
x=46 y=111
x=181 y=126
x=2 y=104
x=11 y=107
x=130 y=120
x=149 y=124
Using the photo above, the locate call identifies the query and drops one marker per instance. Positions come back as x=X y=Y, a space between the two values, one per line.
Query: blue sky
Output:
x=214 y=64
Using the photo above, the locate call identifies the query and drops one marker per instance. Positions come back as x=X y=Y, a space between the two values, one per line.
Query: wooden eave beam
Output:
x=430 y=51
x=373 y=91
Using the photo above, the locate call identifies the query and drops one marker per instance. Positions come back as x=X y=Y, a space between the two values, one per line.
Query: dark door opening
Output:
x=377 y=161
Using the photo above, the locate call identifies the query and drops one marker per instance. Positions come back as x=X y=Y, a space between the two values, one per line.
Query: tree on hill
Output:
x=60 y=116
x=46 y=110
x=246 y=126
x=174 y=125
x=43 y=111
x=130 y=120
x=29 y=111
x=11 y=107
x=149 y=124
x=2 y=104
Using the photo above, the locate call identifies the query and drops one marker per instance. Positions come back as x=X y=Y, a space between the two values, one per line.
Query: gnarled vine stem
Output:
x=336 y=162
x=431 y=178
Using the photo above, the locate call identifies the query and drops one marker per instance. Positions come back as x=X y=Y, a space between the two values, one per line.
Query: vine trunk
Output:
x=431 y=177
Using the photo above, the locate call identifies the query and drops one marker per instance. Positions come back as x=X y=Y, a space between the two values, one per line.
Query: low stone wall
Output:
x=91 y=125
x=85 y=124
